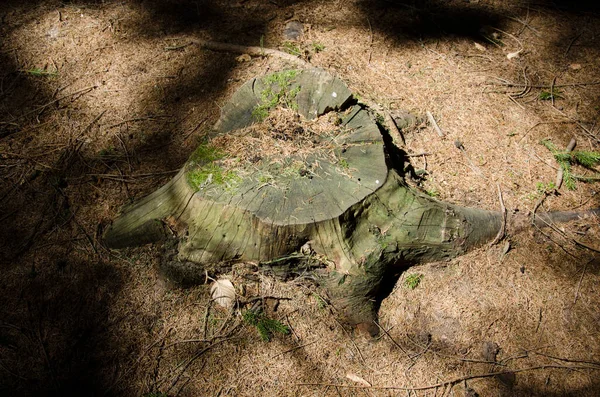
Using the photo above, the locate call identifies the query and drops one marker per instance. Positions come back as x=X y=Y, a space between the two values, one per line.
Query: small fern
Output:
x=265 y=326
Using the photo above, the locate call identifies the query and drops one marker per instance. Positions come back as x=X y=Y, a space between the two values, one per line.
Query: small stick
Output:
x=39 y=109
x=135 y=119
x=511 y=84
x=294 y=349
x=187 y=135
x=560 y=173
x=434 y=124
x=571 y=43
x=251 y=50
x=552 y=90
x=392 y=339
x=580 y=280
x=370 y=40
x=502 y=231
x=455 y=380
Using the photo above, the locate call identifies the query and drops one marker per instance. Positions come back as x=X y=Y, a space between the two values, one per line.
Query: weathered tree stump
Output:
x=343 y=202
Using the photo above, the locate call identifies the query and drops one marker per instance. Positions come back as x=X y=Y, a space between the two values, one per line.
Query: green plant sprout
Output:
x=542 y=187
x=565 y=159
x=318 y=47
x=321 y=304
x=432 y=192
x=412 y=281
x=550 y=95
x=292 y=49
x=265 y=326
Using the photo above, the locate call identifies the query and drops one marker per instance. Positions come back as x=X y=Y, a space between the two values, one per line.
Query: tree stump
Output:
x=333 y=195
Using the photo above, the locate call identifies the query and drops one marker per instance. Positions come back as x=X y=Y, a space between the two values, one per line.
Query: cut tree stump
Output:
x=343 y=205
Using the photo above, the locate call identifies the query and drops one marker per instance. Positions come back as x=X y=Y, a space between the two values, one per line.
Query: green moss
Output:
x=211 y=174
x=545 y=187
x=293 y=170
x=265 y=178
x=278 y=92
x=205 y=153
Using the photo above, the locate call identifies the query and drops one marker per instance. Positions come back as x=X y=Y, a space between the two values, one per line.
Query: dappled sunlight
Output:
x=101 y=103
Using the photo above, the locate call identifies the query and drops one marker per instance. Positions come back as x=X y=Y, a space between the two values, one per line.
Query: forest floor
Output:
x=101 y=102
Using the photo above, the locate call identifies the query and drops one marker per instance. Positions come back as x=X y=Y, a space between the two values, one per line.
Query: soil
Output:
x=102 y=102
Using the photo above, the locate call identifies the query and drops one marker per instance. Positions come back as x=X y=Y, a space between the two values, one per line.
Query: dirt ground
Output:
x=102 y=101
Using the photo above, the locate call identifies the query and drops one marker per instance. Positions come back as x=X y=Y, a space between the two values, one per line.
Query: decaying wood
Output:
x=360 y=222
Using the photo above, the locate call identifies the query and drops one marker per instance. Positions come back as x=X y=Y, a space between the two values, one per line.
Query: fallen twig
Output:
x=185 y=366
x=136 y=119
x=293 y=349
x=251 y=50
x=579 y=283
x=511 y=84
x=392 y=339
x=434 y=124
x=502 y=231
x=571 y=44
x=454 y=381
x=40 y=108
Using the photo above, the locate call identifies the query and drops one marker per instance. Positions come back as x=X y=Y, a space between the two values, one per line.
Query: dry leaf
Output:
x=575 y=66
x=223 y=293
x=479 y=47
x=512 y=55
x=357 y=379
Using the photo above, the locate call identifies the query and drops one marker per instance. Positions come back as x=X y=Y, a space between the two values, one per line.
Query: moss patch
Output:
x=204 y=168
x=278 y=92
